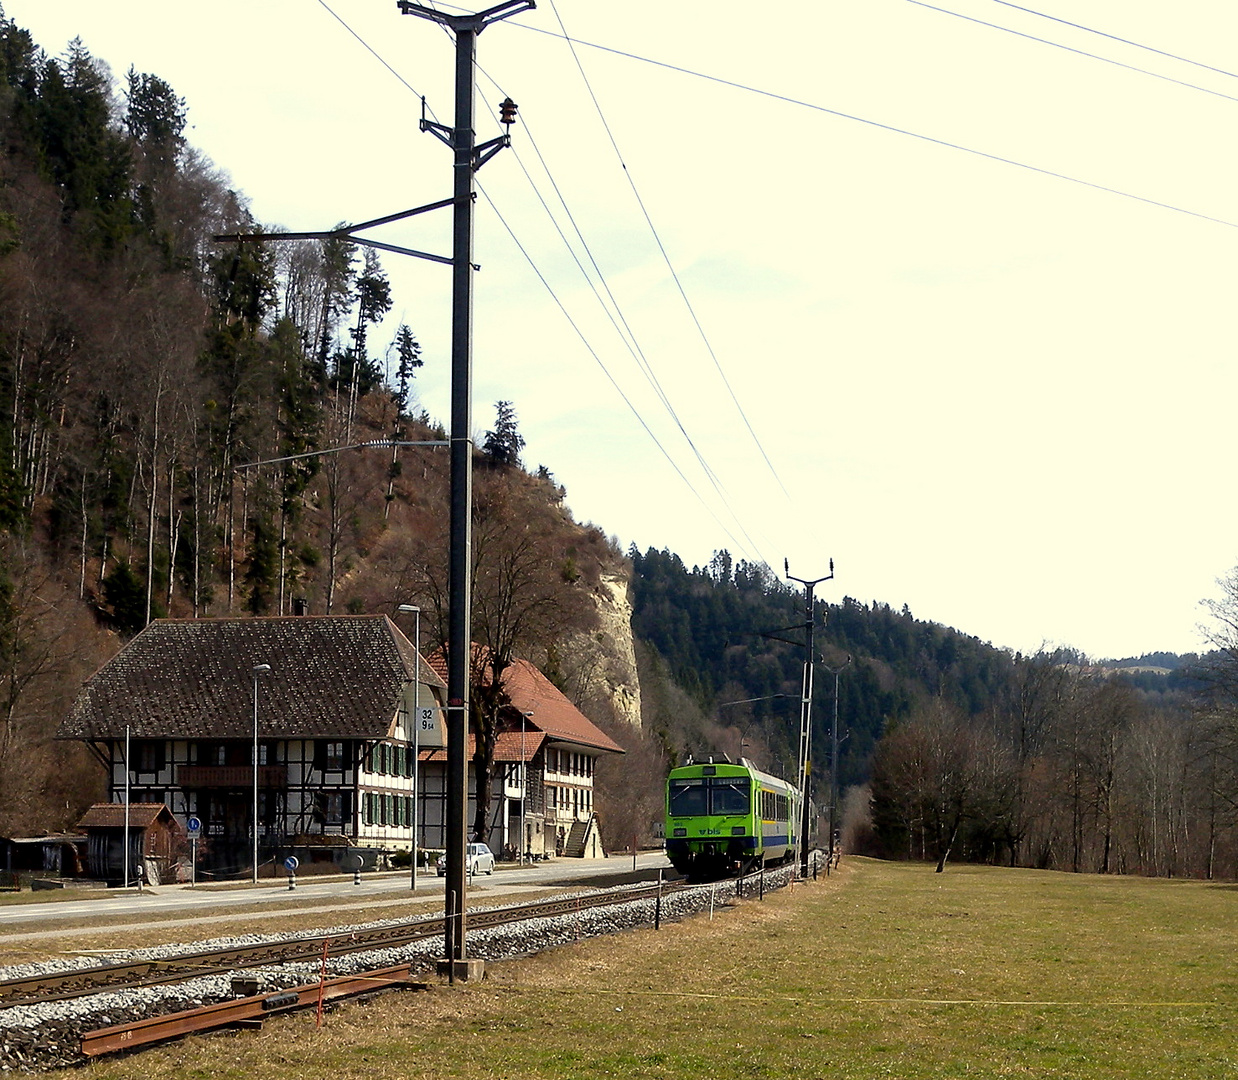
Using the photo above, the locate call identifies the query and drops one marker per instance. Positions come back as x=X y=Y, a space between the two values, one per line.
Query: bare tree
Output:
x=938 y=778
x=531 y=584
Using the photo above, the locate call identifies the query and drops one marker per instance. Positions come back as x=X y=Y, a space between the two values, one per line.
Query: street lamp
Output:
x=259 y=669
x=416 y=720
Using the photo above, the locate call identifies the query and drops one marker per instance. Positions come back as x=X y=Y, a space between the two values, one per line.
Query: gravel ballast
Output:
x=34 y=1038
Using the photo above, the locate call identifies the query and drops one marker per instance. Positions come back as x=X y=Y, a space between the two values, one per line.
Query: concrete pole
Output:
x=836 y=672
x=459 y=634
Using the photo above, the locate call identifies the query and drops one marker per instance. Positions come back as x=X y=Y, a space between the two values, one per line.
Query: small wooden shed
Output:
x=155 y=839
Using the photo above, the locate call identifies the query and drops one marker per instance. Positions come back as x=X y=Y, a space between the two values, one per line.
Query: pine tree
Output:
x=504 y=443
x=408 y=349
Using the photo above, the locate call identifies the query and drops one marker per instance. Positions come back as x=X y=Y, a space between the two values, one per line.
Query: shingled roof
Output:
x=331 y=676
x=112 y=816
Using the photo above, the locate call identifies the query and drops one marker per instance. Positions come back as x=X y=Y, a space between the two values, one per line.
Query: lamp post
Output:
x=259 y=669
x=125 y=855
x=416 y=611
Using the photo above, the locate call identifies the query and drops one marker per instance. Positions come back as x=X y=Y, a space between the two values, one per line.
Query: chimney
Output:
x=300 y=606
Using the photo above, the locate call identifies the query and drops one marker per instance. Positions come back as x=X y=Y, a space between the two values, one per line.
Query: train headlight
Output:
x=738 y=830
x=679 y=832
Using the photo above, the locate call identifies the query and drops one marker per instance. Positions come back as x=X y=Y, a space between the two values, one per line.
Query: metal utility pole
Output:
x=468 y=157
x=805 y=758
x=836 y=672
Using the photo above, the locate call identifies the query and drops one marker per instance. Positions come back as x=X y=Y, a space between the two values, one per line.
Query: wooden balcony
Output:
x=231 y=776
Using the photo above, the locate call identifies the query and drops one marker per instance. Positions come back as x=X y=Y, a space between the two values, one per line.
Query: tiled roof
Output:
x=507 y=747
x=193 y=678
x=530 y=691
x=513 y=746
x=112 y=816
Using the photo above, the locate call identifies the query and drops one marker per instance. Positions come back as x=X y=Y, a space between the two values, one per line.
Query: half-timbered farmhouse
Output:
x=311 y=717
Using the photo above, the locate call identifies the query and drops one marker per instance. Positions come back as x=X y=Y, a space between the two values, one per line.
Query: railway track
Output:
x=59 y=1039
x=37 y=989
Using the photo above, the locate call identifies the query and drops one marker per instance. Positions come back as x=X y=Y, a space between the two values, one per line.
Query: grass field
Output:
x=884 y=970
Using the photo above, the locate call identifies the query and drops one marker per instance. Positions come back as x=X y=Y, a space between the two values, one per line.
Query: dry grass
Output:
x=884 y=970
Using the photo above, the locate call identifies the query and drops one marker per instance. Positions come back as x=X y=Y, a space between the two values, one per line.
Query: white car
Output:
x=478 y=859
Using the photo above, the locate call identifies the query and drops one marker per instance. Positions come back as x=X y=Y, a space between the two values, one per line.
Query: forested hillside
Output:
x=957 y=750
x=730 y=632
x=146 y=370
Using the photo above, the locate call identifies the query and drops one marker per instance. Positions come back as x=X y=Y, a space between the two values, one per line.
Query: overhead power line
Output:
x=632 y=345
x=894 y=129
x=367 y=46
x=1111 y=37
x=1072 y=49
x=662 y=248
x=605 y=370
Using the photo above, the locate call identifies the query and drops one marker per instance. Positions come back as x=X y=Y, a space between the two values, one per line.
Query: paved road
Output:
x=312 y=895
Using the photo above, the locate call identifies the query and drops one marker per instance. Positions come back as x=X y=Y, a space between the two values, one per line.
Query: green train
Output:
x=723 y=818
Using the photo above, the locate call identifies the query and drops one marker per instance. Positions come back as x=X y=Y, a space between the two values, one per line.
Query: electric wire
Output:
x=1072 y=49
x=1114 y=37
x=632 y=344
x=817 y=108
x=616 y=316
x=892 y=128
x=665 y=255
x=366 y=45
x=627 y=338
x=626 y=334
x=606 y=371
x=709 y=472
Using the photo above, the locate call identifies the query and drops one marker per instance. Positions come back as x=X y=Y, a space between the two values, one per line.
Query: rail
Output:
x=60 y=986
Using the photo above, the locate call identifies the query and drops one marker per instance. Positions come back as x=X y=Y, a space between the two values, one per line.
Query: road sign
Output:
x=431 y=733
x=194 y=826
x=291 y=863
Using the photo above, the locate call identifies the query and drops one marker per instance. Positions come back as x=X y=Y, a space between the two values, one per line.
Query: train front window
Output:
x=688 y=798
x=729 y=795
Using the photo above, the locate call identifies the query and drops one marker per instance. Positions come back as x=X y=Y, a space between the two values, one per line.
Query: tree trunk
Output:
x=954 y=832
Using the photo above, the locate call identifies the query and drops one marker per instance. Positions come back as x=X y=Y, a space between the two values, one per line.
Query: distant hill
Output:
x=729 y=632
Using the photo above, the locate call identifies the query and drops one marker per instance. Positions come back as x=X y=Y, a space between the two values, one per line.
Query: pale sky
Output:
x=1001 y=397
